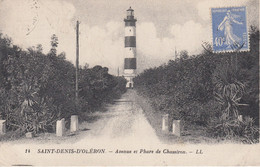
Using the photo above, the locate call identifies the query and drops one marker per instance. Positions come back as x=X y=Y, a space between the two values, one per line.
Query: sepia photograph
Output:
x=129 y=83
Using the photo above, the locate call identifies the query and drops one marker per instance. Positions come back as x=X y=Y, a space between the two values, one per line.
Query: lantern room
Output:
x=130 y=20
x=130 y=13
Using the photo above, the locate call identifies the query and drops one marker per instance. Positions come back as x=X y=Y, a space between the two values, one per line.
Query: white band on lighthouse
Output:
x=129 y=71
x=130 y=31
x=130 y=52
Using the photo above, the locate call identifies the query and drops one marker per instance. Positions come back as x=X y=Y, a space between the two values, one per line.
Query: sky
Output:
x=163 y=26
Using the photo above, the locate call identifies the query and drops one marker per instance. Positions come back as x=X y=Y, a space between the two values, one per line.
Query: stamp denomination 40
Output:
x=229 y=28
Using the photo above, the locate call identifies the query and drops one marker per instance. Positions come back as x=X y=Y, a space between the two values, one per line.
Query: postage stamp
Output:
x=229 y=28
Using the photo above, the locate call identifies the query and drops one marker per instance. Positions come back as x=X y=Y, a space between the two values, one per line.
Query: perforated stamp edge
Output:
x=247 y=26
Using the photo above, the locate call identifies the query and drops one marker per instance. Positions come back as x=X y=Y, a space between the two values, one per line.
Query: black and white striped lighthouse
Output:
x=130 y=48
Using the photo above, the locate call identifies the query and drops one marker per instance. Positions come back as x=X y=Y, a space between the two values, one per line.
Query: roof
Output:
x=130 y=9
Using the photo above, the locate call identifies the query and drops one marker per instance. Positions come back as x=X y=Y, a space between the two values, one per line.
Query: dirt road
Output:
x=123 y=122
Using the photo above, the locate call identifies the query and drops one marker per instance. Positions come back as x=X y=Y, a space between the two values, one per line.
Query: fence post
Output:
x=240 y=118
x=74 y=123
x=165 y=122
x=2 y=126
x=29 y=135
x=176 y=127
x=60 y=127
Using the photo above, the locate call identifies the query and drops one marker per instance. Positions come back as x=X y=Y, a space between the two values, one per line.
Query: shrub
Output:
x=244 y=131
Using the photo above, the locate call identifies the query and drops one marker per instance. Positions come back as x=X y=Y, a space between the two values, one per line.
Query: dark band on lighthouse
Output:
x=130 y=63
x=129 y=23
x=130 y=41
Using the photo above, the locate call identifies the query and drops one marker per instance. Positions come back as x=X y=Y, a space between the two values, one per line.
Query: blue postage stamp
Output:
x=229 y=27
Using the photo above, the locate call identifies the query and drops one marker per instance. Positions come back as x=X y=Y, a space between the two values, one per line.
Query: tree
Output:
x=54 y=44
x=184 y=54
x=228 y=90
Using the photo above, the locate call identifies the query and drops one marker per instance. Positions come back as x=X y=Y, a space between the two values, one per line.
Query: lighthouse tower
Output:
x=130 y=48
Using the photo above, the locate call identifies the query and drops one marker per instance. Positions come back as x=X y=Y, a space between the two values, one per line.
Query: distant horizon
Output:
x=161 y=27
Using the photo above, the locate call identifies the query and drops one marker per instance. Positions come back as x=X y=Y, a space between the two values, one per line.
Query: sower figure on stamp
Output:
x=231 y=40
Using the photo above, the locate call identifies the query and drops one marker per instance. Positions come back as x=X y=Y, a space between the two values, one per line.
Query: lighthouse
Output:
x=130 y=48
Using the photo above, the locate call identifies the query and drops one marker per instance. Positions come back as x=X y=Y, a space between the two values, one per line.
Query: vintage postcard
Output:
x=129 y=83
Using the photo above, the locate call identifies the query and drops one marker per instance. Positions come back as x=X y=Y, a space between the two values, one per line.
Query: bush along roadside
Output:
x=210 y=90
x=37 y=89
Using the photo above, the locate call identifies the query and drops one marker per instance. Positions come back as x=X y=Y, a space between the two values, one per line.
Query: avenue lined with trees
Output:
x=210 y=90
